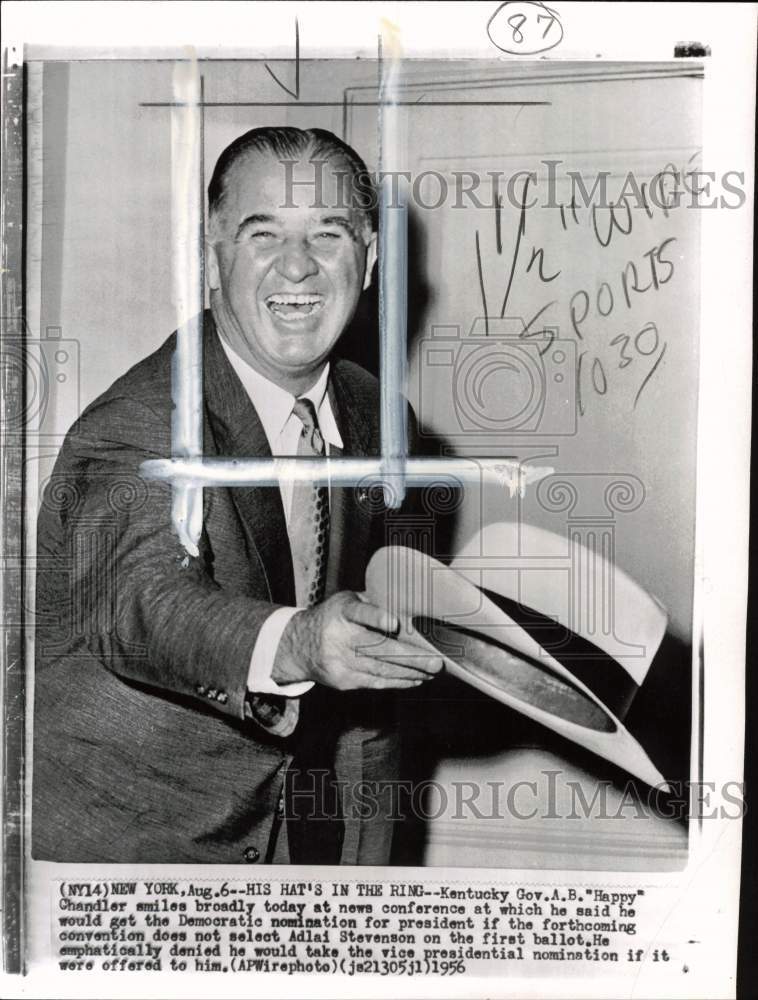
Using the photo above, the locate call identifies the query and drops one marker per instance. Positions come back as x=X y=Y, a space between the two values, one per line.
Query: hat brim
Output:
x=484 y=647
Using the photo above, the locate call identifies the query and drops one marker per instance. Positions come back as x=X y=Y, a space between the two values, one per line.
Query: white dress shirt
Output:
x=282 y=428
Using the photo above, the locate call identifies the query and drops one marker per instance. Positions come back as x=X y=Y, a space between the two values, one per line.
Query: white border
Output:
x=608 y=31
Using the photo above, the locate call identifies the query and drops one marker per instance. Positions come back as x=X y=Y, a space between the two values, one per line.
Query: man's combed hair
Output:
x=288 y=143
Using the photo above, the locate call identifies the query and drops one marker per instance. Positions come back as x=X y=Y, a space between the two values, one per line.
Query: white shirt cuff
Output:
x=259 y=678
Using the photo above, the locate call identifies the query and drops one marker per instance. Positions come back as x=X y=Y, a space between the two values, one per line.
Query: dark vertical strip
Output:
x=12 y=665
x=201 y=195
x=344 y=116
x=297 y=63
x=201 y=267
x=55 y=100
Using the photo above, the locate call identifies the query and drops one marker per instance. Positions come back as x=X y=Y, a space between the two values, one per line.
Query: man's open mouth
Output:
x=295 y=307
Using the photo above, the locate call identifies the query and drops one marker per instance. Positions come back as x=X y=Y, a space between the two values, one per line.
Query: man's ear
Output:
x=370 y=260
x=211 y=267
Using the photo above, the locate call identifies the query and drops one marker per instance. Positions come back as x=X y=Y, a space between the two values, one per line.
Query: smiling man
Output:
x=290 y=250
x=225 y=707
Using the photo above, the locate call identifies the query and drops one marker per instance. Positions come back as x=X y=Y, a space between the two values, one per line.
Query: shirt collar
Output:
x=274 y=404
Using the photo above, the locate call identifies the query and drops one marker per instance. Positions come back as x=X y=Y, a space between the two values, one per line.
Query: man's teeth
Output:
x=300 y=299
x=295 y=306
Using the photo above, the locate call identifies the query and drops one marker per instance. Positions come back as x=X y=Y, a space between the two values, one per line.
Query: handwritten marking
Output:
x=649 y=375
x=599 y=381
x=575 y=320
x=516 y=27
x=647 y=328
x=623 y=339
x=519 y=234
x=481 y=285
x=538 y=254
x=527 y=332
x=353 y=104
x=587 y=307
x=609 y=299
x=614 y=223
x=645 y=205
x=296 y=92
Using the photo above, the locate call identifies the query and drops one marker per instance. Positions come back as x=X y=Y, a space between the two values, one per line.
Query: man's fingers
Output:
x=384 y=684
x=370 y=667
x=370 y=616
x=422 y=664
x=395 y=683
x=405 y=653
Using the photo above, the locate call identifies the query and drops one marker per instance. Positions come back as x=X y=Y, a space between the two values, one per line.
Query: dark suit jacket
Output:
x=142 y=747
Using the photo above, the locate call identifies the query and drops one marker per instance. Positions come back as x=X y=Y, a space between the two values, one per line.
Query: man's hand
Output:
x=338 y=643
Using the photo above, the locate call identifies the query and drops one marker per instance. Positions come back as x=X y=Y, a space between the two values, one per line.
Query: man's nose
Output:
x=295 y=262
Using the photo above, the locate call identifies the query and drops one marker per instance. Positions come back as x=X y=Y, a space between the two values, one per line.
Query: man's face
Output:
x=286 y=280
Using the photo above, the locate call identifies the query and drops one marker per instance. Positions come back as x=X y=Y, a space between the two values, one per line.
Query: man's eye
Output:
x=262 y=234
x=327 y=235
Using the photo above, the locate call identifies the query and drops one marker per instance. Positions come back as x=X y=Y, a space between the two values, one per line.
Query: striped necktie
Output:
x=315 y=828
x=309 y=516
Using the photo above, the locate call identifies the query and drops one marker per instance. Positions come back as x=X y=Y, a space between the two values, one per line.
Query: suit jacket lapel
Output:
x=350 y=525
x=237 y=432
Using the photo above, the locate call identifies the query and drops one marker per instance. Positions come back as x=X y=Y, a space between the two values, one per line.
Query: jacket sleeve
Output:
x=114 y=580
